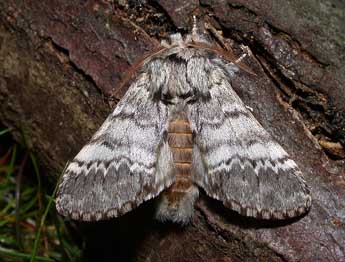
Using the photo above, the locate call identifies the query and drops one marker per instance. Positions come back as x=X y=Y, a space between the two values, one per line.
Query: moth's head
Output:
x=200 y=42
x=198 y=35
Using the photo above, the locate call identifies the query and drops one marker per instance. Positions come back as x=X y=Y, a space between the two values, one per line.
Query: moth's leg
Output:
x=227 y=44
x=246 y=51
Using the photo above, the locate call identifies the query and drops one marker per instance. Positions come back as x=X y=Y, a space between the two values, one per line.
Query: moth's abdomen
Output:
x=176 y=203
x=180 y=140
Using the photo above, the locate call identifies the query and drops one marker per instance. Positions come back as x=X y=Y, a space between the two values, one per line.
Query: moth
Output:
x=181 y=127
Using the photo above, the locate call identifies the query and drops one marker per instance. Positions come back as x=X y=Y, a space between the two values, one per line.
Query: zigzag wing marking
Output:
x=236 y=160
x=126 y=162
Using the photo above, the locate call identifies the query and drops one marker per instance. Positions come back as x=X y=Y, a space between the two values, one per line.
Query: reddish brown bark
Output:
x=60 y=59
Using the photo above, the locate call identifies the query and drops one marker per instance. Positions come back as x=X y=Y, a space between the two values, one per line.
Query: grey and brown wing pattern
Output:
x=236 y=160
x=126 y=162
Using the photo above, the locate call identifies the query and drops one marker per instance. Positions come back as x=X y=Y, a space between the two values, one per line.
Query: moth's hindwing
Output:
x=236 y=160
x=126 y=162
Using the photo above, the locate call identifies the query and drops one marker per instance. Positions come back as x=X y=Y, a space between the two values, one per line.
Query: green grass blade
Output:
x=38 y=177
x=38 y=235
x=12 y=161
x=2 y=132
x=13 y=253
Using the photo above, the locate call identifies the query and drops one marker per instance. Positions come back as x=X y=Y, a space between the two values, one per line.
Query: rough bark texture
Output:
x=60 y=59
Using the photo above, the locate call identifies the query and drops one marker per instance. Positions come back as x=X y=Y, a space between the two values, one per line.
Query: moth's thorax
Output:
x=180 y=140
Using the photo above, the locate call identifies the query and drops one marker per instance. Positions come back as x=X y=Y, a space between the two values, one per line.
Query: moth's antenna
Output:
x=195 y=26
x=198 y=34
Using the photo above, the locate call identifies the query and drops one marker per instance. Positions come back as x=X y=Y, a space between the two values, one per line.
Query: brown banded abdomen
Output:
x=180 y=140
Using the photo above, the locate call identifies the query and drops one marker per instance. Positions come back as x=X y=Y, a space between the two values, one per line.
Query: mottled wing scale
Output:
x=126 y=162
x=237 y=161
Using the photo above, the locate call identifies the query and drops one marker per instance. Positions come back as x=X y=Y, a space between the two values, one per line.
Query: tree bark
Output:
x=61 y=59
